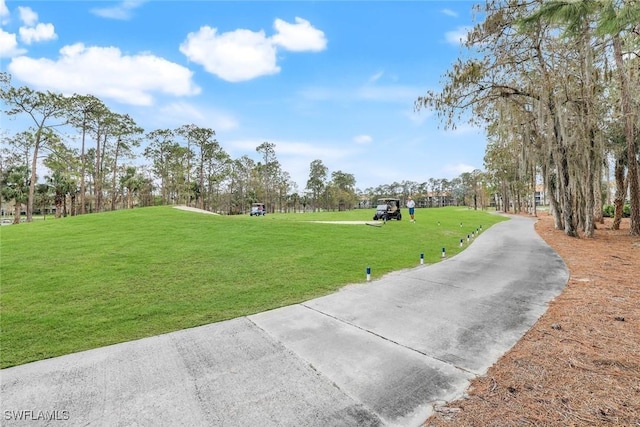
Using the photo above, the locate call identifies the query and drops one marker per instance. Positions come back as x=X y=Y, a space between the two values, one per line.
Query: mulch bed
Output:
x=579 y=365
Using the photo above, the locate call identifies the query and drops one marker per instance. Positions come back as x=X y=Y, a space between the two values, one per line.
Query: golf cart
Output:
x=257 y=209
x=388 y=209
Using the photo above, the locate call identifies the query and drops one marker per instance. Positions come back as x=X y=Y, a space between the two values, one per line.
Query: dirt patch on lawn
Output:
x=579 y=365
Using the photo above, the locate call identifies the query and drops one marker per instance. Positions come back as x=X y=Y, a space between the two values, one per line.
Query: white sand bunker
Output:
x=188 y=208
x=350 y=222
x=376 y=223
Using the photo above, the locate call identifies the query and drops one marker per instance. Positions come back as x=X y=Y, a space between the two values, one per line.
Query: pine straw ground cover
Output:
x=579 y=365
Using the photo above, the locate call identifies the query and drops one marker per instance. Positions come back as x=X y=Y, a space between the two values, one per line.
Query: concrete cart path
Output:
x=380 y=353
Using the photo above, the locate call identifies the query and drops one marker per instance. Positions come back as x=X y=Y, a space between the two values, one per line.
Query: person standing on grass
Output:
x=412 y=206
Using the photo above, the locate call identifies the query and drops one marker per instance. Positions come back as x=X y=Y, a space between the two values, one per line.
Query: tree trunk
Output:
x=97 y=182
x=589 y=221
x=114 y=177
x=598 y=215
x=562 y=165
x=534 y=211
x=568 y=215
x=82 y=171
x=587 y=71
x=202 y=193
x=552 y=190
x=58 y=202
x=32 y=180
x=16 y=212
x=163 y=179
x=621 y=191
x=625 y=95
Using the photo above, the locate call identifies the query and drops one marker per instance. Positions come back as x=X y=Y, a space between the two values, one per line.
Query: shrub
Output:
x=609 y=211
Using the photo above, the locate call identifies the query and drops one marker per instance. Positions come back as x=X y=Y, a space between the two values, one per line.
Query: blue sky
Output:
x=328 y=80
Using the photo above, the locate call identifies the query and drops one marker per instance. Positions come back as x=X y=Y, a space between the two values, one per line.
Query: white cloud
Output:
x=243 y=54
x=376 y=77
x=41 y=32
x=121 y=11
x=312 y=150
x=458 y=169
x=183 y=112
x=298 y=37
x=362 y=139
x=450 y=12
x=28 y=16
x=457 y=36
x=234 y=56
x=296 y=149
x=418 y=117
x=388 y=93
x=9 y=45
x=32 y=31
x=105 y=73
x=4 y=13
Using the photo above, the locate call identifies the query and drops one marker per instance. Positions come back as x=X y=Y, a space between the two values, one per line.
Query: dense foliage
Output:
x=556 y=85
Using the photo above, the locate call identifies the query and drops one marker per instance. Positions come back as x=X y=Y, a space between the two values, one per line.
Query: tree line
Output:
x=557 y=86
x=186 y=165
x=90 y=155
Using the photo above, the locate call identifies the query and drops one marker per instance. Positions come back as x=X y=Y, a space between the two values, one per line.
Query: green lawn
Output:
x=82 y=282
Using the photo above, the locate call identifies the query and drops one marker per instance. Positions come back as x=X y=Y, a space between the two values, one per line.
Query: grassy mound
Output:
x=88 y=281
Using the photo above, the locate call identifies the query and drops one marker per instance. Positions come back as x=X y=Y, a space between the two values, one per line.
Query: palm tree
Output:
x=43 y=197
x=62 y=186
x=133 y=182
x=15 y=186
